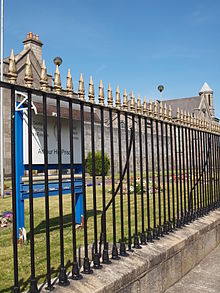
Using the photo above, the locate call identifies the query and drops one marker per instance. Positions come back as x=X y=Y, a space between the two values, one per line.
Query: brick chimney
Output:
x=32 y=42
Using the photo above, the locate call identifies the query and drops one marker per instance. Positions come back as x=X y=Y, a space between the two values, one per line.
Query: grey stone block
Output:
x=191 y=255
x=171 y=270
x=209 y=241
x=152 y=281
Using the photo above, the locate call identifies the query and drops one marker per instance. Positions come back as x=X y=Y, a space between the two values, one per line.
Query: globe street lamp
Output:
x=57 y=61
x=160 y=89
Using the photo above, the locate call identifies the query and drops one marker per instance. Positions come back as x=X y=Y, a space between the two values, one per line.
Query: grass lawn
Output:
x=6 y=247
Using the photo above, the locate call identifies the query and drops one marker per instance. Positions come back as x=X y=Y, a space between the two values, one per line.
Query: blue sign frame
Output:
x=22 y=188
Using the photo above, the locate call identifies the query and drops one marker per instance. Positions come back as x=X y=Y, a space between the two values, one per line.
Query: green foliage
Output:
x=98 y=163
x=138 y=188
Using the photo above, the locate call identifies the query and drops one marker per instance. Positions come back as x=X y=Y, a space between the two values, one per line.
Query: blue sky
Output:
x=136 y=44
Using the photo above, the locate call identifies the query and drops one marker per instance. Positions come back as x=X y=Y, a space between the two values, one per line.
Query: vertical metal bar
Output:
x=208 y=171
x=165 y=226
x=86 y=263
x=33 y=286
x=180 y=177
x=187 y=171
x=128 y=183
x=149 y=235
x=205 y=168
x=160 y=230
x=193 y=170
x=105 y=257
x=217 y=168
x=114 y=248
x=63 y=280
x=212 y=169
x=177 y=187
x=168 y=180
x=202 y=170
x=153 y=181
x=196 y=177
x=75 y=268
x=136 y=239
x=143 y=236
x=172 y=174
x=122 y=242
x=49 y=286
x=184 y=175
x=200 y=174
x=190 y=174
x=14 y=208
x=96 y=257
x=217 y=171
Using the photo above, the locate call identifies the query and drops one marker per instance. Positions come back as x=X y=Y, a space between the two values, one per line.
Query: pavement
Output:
x=203 y=278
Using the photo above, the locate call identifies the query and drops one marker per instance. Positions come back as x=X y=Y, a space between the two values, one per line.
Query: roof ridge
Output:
x=185 y=98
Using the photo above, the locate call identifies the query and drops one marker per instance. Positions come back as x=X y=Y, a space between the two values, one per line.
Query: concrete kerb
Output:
x=156 y=266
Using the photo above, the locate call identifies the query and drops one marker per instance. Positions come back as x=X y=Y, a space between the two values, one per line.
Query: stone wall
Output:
x=123 y=146
x=157 y=266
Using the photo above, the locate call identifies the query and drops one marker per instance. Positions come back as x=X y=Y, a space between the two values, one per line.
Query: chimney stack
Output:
x=32 y=42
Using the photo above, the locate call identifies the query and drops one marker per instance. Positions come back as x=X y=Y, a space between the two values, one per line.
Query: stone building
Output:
x=201 y=104
x=33 y=49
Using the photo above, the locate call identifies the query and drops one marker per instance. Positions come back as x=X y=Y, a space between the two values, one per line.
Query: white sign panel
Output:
x=38 y=140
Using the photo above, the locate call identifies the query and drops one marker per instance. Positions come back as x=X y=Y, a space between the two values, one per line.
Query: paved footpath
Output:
x=204 y=278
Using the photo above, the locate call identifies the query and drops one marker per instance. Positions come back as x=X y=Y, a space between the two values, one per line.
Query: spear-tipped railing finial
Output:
x=28 y=73
x=178 y=115
x=43 y=77
x=110 y=98
x=69 y=84
x=57 y=81
x=145 y=106
x=125 y=100
x=81 y=89
x=188 y=119
x=101 y=94
x=12 y=71
x=181 y=116
x=165 y=111
x=117 y=98
x=170 y=114
x=150 y=107
x=156 y=108
x=161 y=110
x=132 y=102
x=91 y=94
x=139 y=104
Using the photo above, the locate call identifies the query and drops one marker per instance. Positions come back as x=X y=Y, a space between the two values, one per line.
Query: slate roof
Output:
x=190 y=105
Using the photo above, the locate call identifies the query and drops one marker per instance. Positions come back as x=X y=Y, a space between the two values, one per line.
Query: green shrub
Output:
x=138 y=188
x=98 y=163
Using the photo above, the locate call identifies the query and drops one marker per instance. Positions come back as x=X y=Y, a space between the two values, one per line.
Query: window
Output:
x=209 y=98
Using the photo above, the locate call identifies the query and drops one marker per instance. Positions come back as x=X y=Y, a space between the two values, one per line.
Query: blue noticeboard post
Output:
x=22 y=186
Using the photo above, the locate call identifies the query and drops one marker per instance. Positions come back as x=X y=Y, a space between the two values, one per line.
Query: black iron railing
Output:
x=164 y=174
